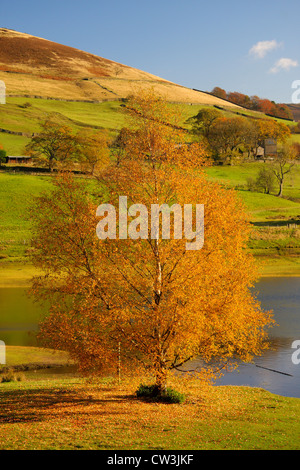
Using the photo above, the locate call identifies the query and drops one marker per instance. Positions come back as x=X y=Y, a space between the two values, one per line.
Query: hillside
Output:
x=35 y=67
x=295 y=108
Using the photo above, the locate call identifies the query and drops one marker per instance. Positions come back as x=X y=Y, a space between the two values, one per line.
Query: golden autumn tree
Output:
x=271 y=129
x=163 y=297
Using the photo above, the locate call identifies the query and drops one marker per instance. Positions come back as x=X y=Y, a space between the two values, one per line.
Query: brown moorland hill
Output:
x=36 y=67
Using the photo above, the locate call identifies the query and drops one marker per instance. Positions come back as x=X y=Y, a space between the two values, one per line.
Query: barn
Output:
x=19 y=159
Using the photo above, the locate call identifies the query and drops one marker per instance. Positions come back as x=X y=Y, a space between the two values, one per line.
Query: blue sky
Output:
x=198 y=44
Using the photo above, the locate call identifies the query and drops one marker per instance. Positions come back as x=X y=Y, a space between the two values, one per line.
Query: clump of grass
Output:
x=169 y=395
x=12 y=376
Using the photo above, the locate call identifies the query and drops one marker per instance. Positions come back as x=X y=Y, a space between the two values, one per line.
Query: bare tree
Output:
x=283 y=164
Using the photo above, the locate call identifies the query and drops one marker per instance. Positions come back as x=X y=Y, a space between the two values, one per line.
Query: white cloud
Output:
x=284 y=64
x=261 y=48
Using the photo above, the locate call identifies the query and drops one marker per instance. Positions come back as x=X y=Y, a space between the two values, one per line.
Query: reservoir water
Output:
x=273 y=371
x=282 y=295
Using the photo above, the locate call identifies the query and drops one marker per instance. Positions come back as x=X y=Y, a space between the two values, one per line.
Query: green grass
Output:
x=262 y=207
x=70 y=413
x=77 y=115
x=106 y=114
x=237 y=175
x=16 y=194
x=14 y=144
x=276 y=238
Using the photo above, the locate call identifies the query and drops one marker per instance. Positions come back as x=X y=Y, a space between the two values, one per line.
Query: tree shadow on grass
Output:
x=21 y=406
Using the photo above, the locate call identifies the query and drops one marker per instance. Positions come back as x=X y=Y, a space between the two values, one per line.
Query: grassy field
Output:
x=16 y=194
x=276 y=221
x=21 y=355
x=48 y=411
x=25 y=115
x=67 y=413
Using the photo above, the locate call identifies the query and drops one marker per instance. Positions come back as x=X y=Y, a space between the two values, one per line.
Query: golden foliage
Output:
x=163 y=305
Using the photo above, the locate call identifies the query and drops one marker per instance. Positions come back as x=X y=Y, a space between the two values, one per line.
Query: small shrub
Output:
x=146 y=391
x=12 y=376
x=251 y=184
x=150 y=392
x=265 y=180
x=20 y=377
x=2 y=156
x=173 y=396
x=8 y=376
x=25 y=105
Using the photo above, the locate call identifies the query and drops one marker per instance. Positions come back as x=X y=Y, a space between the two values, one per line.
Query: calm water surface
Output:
x=282 y=295
x=19 y=317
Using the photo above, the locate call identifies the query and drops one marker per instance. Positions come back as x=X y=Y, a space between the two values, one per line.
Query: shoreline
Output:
x=16 y=275
x=65 y=369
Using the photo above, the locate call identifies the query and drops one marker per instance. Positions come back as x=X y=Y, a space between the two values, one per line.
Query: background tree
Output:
x=54 y=145
x=296 y=128
x=117 y=146
x=163 y=303
x=93 y=151
x=219 y=93
x=203 y=121
x=271 y=129
x=265 y=180
x=296 y=146
x=255 y=103
x=251 y=137
x=227 y=137
x=2 y=155
x=239 y=98
x=283 y=164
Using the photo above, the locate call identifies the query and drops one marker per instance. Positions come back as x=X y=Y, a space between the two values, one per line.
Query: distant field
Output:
x=21 y=355
x=16 y=193
x=25 y=115
x=236 y=176
x=17 y=117
x=13 y=144
x=276 y=221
